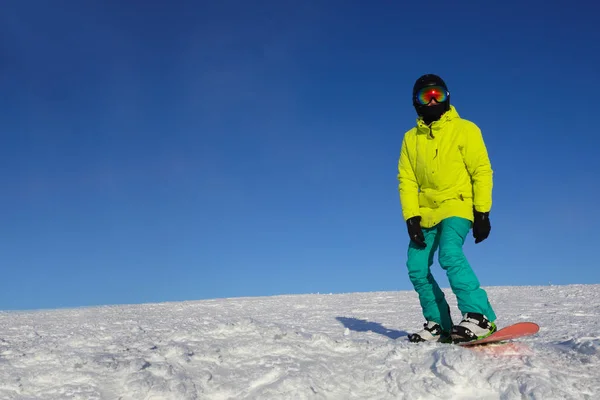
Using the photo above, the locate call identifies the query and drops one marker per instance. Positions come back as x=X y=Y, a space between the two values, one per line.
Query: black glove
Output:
x=415 y=232
x=481 y=226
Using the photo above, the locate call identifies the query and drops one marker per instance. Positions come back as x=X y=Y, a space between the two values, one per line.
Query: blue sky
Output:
x=191 y=150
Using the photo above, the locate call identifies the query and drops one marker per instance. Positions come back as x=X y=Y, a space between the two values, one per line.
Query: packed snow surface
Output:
x=317 y=346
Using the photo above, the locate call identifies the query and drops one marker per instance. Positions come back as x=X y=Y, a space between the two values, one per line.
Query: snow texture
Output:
x=343 y=346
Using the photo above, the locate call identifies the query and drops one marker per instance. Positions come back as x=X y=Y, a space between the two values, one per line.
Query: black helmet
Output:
x=430 y=113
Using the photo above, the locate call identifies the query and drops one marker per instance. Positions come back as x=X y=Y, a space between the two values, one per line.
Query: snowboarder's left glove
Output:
x=481 y=226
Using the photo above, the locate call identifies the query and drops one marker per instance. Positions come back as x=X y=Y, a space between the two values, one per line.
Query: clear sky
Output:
x=189 y=150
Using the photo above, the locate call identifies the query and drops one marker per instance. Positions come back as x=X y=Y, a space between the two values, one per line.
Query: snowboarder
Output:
x=445 y=185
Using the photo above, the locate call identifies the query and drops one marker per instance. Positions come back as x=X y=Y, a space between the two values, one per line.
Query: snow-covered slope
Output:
x=347 y=346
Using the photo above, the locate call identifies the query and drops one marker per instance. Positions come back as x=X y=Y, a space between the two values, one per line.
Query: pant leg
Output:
x=432 y=299
x=463 y=281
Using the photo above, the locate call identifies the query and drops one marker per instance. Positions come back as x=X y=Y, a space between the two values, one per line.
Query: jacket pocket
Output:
x=428 y=199
x=435 y=198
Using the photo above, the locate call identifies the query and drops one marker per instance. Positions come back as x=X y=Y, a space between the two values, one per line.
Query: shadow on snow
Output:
x=361 y=325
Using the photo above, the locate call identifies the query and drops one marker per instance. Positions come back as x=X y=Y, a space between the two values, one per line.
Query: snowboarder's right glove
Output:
x=415 y=232
x=481 y=226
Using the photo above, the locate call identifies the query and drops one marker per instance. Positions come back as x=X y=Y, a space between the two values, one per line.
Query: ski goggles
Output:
x=428 y=93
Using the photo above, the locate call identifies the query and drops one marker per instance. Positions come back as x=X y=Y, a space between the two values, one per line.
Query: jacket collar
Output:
x=439 y=124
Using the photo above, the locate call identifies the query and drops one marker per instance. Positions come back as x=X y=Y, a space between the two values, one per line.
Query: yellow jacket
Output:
x=444 y=170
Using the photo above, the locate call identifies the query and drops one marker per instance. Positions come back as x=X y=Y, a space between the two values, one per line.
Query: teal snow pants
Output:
x=448 y=237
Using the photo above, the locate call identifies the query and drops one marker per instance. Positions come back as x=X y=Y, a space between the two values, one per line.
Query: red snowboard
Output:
x=514 y=331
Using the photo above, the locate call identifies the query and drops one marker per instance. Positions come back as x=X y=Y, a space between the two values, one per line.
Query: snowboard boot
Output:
x=432 y=332
x=474 y=326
